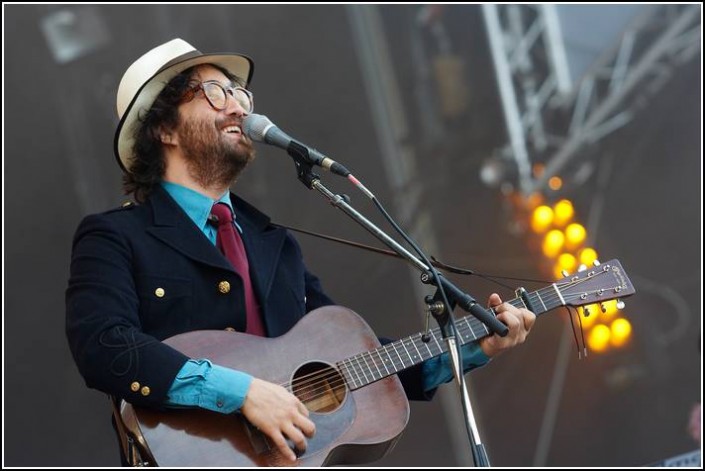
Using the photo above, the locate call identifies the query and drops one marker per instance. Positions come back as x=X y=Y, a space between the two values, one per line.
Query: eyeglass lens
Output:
x=216 y=94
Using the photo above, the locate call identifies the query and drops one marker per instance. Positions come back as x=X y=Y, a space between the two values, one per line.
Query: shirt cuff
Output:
x=202 y=384
x=437 y=371
x=226 y=390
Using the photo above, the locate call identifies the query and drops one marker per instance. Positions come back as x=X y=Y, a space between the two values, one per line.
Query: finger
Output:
x=296 y=437
x=494 y=300
x=302 y=409
x=509 y=318
x=529 y=319
x=306 y=426
x=283 y=446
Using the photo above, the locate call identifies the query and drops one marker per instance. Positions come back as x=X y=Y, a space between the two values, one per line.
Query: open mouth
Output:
x=232 y=130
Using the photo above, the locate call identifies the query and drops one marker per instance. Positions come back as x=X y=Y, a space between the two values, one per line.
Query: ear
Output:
x=168 y=137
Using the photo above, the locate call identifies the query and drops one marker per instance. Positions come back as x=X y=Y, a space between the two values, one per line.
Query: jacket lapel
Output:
x=173 y=227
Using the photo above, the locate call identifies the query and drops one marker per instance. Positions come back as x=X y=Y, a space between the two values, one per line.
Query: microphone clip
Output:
x=302 y=161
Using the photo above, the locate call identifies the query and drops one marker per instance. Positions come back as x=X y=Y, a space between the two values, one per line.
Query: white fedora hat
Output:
x=147 y=77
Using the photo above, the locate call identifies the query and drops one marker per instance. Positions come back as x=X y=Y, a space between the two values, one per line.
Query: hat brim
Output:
x=237 y=64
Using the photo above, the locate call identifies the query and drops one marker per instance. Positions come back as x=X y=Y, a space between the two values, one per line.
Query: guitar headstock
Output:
x=602 y=282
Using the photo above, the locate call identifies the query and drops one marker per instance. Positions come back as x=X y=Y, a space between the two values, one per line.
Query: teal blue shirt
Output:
x=200 y=383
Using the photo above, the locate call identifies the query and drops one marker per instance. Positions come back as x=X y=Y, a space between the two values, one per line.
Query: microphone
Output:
x=260 y=129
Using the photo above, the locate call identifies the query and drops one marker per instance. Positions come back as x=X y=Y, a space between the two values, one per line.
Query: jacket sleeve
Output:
x=103 y=327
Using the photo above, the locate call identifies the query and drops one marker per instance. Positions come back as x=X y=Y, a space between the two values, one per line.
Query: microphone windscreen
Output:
x=255 y=126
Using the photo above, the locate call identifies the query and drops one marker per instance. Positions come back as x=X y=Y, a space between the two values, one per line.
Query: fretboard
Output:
x=368 y=367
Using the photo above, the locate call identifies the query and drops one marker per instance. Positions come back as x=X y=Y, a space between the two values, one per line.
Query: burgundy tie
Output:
x=230 y=243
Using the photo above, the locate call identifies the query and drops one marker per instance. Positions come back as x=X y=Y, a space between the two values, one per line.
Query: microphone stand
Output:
x=437 y=308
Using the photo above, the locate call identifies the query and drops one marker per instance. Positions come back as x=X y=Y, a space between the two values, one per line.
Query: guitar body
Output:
x=351 y=426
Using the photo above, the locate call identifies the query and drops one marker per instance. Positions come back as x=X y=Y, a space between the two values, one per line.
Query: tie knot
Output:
x=222 y=212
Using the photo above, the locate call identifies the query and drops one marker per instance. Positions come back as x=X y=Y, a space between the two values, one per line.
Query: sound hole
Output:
x=319 y=386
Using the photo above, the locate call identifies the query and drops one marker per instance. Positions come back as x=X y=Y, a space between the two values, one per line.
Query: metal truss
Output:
x=549 y=120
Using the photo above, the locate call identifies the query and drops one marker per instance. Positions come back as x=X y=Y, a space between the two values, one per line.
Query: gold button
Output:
x=224 y=287
x=159 y=292
x=230 y=329
x=145 y=390
x=135 y=386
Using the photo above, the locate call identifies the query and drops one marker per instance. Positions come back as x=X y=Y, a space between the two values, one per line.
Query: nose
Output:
x=232 y=106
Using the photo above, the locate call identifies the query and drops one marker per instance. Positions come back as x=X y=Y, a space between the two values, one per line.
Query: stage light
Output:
x=553 y=243
x=563 y=212
x=599 y=338
x=620 y=330
x=555 y=183
x=574 y=235
x=567 y=262
x=541 y=219
x=587 y=256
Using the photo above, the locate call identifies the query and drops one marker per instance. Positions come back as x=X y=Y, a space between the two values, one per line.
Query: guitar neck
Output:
x=368 y=367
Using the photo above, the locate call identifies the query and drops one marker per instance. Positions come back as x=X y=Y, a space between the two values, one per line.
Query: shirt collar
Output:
x=196 y=205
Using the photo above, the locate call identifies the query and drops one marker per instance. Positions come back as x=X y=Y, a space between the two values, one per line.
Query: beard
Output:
x=212 y=159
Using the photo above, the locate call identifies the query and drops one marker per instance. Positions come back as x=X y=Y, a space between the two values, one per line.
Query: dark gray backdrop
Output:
x=619 y=409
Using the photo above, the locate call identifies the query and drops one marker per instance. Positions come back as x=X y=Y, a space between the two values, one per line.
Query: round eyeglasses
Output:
x=217 y=95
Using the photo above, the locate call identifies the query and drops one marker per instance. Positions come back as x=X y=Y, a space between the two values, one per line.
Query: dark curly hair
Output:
x=148 y=165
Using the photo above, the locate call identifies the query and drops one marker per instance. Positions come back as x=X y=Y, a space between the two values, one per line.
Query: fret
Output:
x=467 y=324
x=560 y=296
x=374 y=362
x=541 y=299
x=407 y=353
x=403 y=366
x=362 y=370
x=383 y=362
x=435 y=339
x=430 y=353
x=390 y=358
x=534 y=301
x=355 y=383
x=368 y=358
x=417 y=349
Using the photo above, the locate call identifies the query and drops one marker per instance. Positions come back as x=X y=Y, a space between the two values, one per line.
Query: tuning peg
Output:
x=620 y=304
x=582 y=267
x=586 y=312
x=596 y=263
x=603 y=308
x=565 y=273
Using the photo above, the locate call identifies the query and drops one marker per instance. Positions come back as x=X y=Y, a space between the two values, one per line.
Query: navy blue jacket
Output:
x=143 y=273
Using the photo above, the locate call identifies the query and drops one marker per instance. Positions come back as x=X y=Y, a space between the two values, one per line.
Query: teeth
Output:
x=230 y=129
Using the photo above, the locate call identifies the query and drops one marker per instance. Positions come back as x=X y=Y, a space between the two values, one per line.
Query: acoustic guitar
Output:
x=333 y=362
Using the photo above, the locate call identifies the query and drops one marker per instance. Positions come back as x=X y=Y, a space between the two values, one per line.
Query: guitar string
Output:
x=332 y=379
x=549 y=296
x=314 y=378
x=407 y=341
x=319 y=378
x=312 y=383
